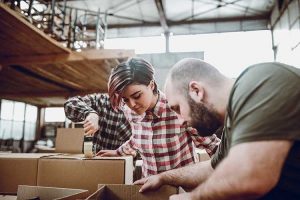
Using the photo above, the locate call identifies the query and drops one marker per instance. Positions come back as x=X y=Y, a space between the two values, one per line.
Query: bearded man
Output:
x=259 y=155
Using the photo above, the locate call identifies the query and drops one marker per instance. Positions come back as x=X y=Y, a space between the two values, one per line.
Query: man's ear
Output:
x=196 y=91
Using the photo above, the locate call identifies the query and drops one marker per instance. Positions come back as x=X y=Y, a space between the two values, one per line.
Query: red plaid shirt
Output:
x=162 y=141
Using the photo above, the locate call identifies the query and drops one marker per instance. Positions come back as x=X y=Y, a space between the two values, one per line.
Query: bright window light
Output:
x=141 y=45
x=231 y=52
x=19 y=111
x=55 y=114
x=7 y=109
x=31 y=113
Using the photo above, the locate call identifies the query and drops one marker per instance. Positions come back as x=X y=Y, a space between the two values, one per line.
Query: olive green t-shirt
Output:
x=264 y=104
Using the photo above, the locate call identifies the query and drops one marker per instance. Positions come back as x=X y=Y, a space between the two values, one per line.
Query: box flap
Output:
x=69 y=140
x=99 y=194
x=131 y=192
x=45 y=193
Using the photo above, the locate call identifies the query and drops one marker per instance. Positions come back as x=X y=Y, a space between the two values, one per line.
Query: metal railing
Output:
x=74 y=27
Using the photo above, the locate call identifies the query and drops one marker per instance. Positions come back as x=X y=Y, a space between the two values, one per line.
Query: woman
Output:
x=163 y=142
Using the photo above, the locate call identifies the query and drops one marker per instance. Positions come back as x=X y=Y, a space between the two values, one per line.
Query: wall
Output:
x=162 y=63
x=285 y=25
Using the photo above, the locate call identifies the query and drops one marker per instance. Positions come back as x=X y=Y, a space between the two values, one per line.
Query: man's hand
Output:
x=107 y=153
x=91 y=124
x=149 y=183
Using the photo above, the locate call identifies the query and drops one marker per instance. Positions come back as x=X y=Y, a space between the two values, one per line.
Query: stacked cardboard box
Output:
x=75 y=171
x=18 y=169
x=63 y=170
x=69 y=140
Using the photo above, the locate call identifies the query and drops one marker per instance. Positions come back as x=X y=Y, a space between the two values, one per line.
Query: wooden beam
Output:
x=4 y=95
x=91 y=54
x=36 y=76
x=40 y=59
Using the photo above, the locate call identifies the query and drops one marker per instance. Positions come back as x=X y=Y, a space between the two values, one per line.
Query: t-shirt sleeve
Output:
x=265 y=104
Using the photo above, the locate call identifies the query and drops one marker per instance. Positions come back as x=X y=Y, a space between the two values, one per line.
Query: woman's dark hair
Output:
x=134 y=70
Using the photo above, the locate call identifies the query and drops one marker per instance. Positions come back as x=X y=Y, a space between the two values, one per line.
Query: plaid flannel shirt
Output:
x=162 y=141
x=114 y=129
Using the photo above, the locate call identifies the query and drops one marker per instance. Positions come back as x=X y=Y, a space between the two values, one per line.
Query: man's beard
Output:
x=205 y=120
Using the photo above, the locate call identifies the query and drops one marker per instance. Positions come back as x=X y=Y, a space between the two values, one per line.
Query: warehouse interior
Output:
x=52 y=50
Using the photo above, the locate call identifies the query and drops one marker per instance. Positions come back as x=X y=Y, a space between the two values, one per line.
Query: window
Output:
x=19 y=108
x=7 y=108
x=55 y=114
x=30 y=122
x=16 y=119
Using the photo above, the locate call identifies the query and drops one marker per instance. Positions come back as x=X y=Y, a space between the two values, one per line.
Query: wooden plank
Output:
x=41 y=101
x=35 y=94
x=57 y=73
x=93 y=54
x=40 y=59
x=17 y=82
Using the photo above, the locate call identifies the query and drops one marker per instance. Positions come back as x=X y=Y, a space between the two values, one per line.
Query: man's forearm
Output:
x=189 y=176
x=245 y=173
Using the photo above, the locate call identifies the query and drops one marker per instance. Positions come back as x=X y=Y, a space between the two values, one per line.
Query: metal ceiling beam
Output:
x=212 y=9
x=127 y=6
x=197 y=21
x=236 y=5
x=117 y=5
x=162 y=15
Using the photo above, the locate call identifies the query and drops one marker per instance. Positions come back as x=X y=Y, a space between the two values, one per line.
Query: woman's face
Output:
x=139 y=98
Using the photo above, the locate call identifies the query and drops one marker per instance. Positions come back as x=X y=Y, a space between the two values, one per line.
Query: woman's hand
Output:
x=107 y=153
x=91 y=124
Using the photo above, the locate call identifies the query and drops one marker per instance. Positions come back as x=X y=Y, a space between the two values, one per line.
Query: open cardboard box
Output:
x=131 y=192
x=47 y=193
x=75 y=171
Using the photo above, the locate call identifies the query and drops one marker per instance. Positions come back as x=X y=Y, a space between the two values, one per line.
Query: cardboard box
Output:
x=131 y=192
x=69 y=140
x=18 y=169
x=8 y=197
x=75 y=171
x=48 y=193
